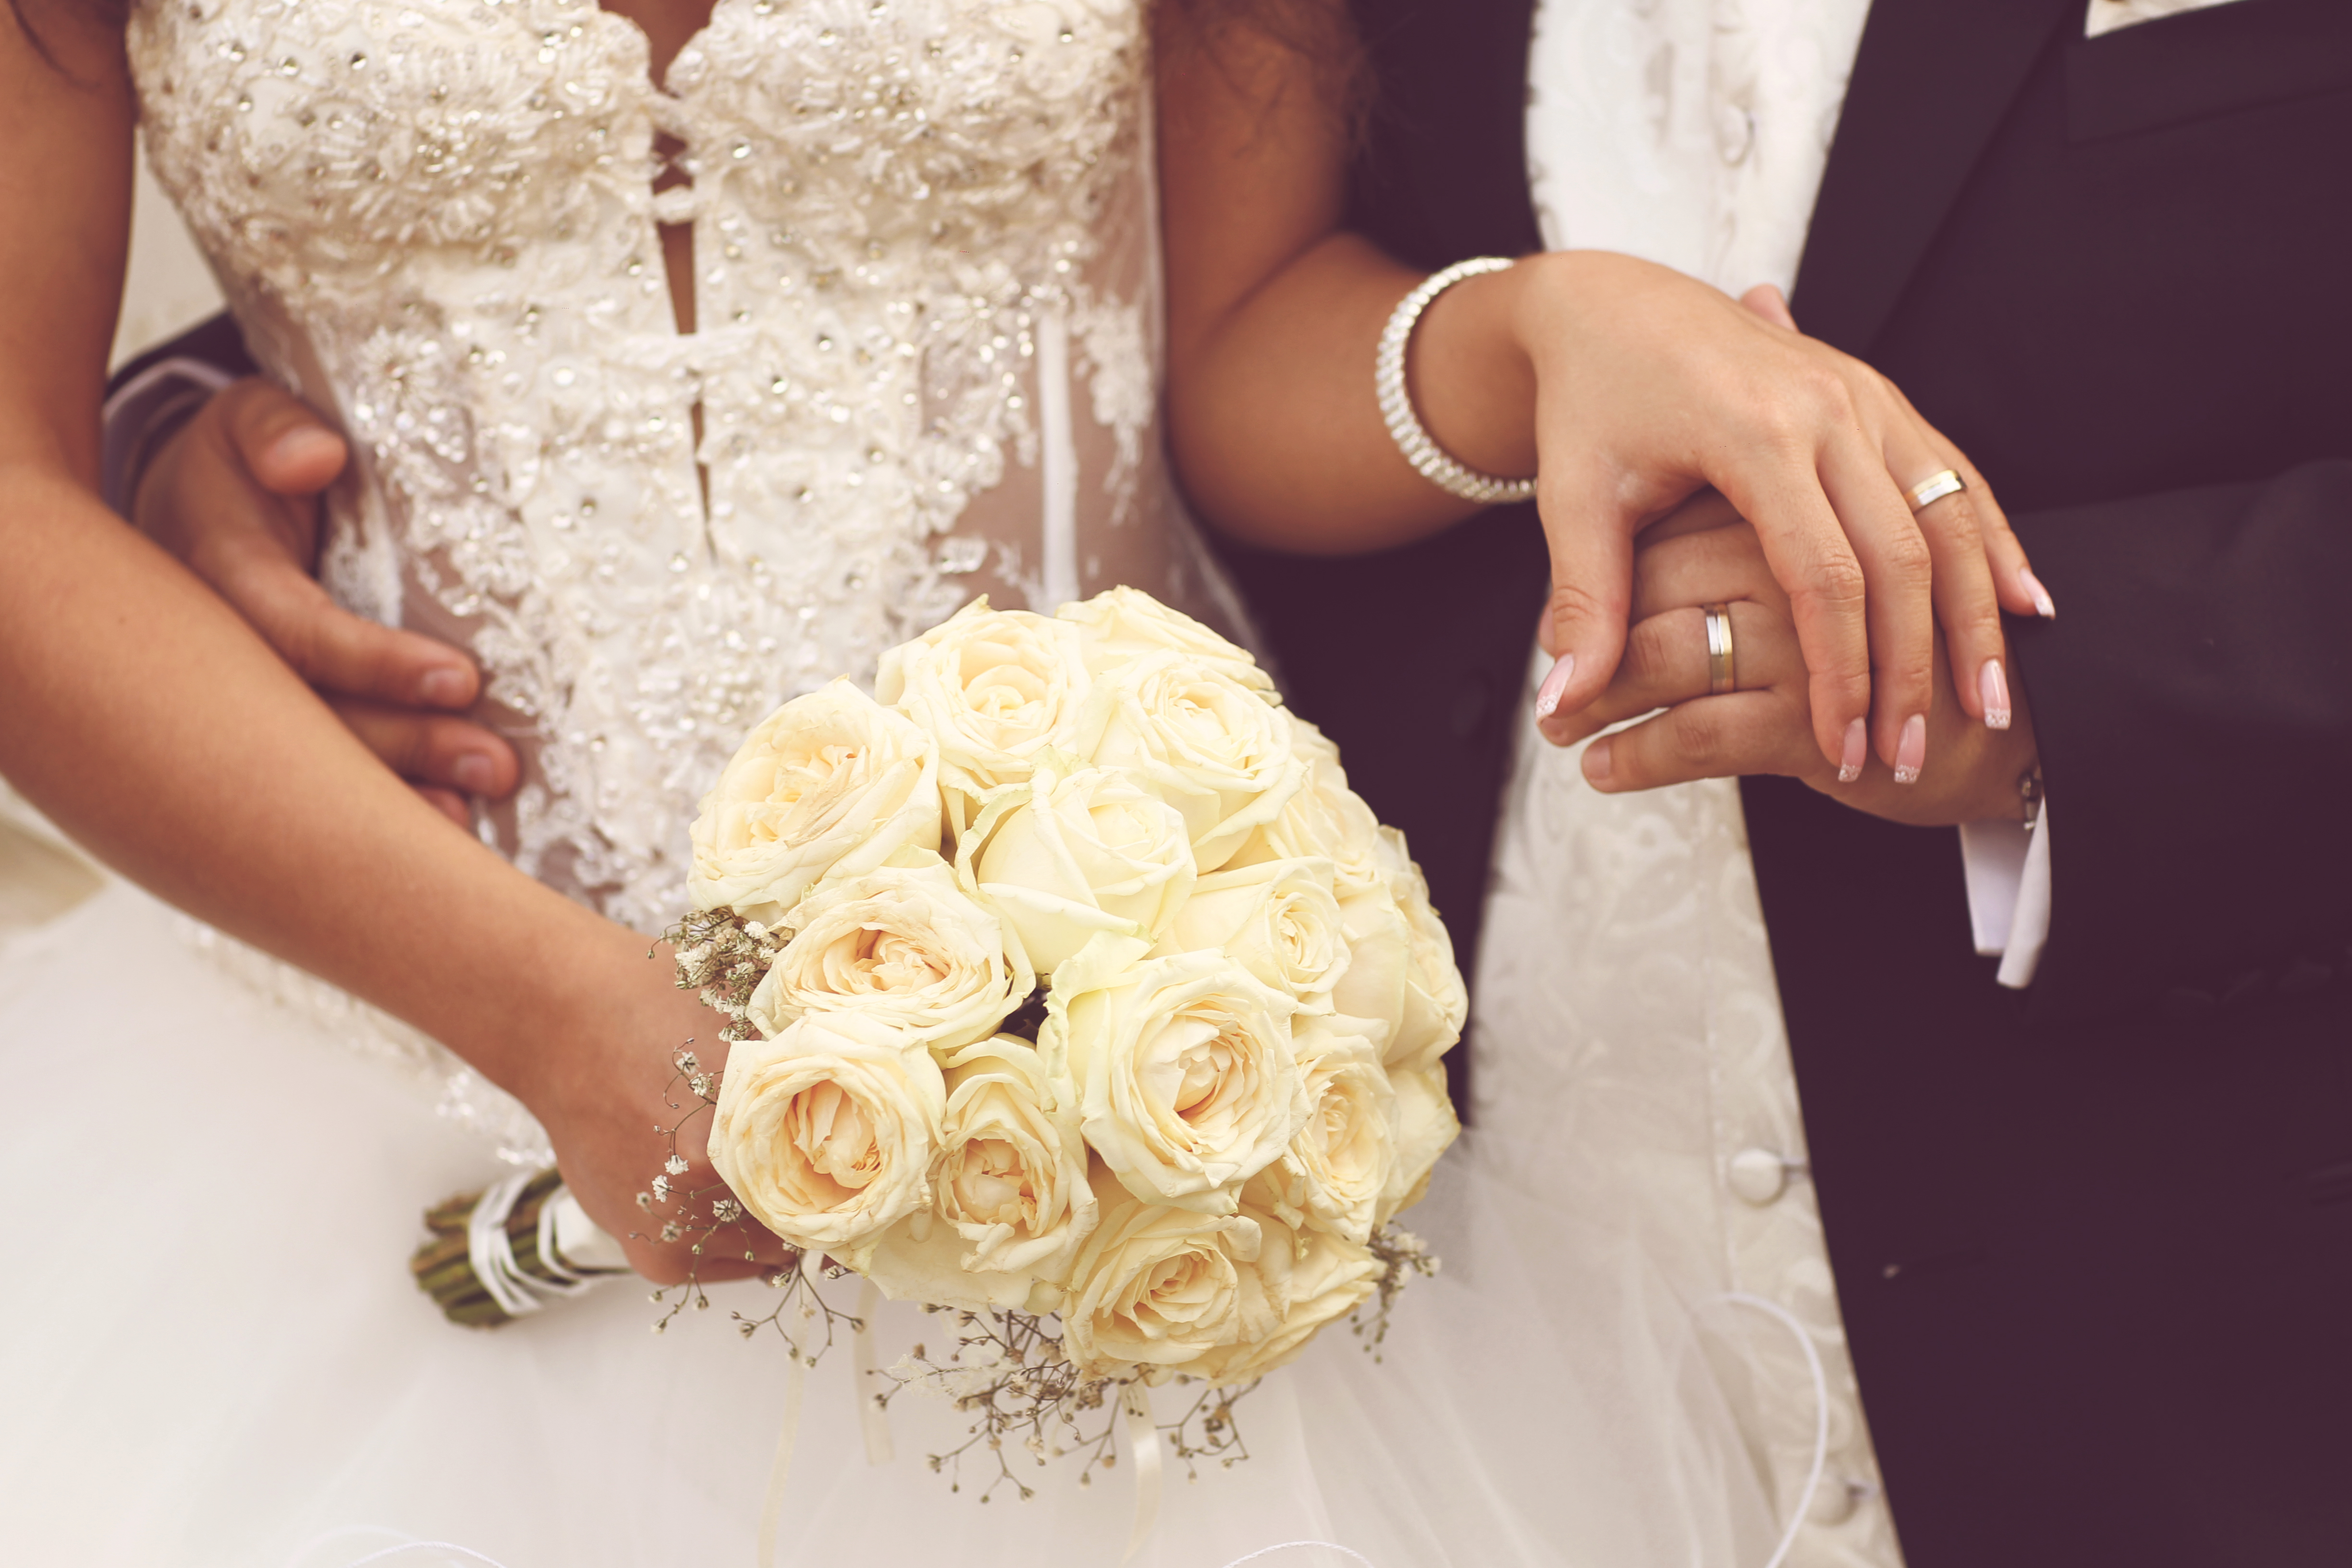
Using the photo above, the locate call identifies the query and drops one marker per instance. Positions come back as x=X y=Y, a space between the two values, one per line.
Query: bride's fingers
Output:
x=1968 y=610
x=2021 y=592
x=1706 y=738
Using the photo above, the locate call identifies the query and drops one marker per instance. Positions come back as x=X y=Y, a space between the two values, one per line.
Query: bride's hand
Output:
x=1706 y=554
x=608 y=1104
x=1647 y=386
x=234 y=494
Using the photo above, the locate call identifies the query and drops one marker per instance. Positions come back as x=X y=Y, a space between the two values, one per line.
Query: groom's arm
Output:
x=2193 y=706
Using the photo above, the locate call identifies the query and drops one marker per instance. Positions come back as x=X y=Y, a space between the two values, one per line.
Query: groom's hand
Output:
x=1703 y=555
x=233 y=494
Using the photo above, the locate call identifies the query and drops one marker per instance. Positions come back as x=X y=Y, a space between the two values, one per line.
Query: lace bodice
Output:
x=925 y=289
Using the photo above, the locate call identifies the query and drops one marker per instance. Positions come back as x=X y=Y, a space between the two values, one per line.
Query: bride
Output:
x=687 y=360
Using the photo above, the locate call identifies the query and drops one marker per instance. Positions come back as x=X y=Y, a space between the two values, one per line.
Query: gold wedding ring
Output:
x=1722 y=666
x=1934 y=488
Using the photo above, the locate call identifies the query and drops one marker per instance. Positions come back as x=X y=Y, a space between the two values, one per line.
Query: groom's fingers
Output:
x=1705 y=738
x=1666 y=663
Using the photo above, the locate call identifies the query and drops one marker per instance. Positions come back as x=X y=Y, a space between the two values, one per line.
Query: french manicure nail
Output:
x=1993 y=687
x=1911 y=750
x=2038 y=593
x=1857 y=750
x=1547 y=695
x=441 y=687
x=473 y=773
x=1597 y=761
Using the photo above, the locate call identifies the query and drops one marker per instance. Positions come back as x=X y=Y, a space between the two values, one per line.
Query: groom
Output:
x=2093 y=1240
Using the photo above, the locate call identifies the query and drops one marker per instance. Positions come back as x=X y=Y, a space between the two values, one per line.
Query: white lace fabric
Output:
x=924 y=281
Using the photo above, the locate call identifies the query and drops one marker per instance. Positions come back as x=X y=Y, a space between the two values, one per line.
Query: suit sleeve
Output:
x=149 y=398
x=2192 y=702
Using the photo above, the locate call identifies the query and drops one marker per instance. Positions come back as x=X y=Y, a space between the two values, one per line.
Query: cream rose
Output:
x=1060 y=860
x=1278 y=918
x=1123 y=624
x=1308 y=1278
x=995 y=687
x=829 y=784
x=1210 y=746
x=1181 y=1068
x=827 y=1132
x=1159 y=1288
x=1342 y=1163
x=903 y=945
x=1010 y=1200
x=1435 y=1002
x=1426 y=1128
x=1324 y=819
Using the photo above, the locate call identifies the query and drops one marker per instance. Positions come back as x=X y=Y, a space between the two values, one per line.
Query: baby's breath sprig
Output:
x=724 y=957
x=798 y=1293
x=1221 y=1434
x=1402 y=1256
x=1009 y=1373
x=689 y=1214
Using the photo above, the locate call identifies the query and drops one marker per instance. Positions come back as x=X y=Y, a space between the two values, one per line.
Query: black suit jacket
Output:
x=2093 y=1242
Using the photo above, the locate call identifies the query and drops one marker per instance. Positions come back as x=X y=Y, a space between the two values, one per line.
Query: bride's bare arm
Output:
x=1627 y=386
x=151 y=722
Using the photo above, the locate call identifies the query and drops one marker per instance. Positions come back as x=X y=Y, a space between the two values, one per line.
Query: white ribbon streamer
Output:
x=780 y=1471
x=1788 y=1320
x=871 y=1416
x=1143 y=1453
x=1301 y=1545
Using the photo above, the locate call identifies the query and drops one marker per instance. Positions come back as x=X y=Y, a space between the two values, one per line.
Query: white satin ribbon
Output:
x=780 y=1470
x=385 y=1554
x=490 y=1251
x=1143 y=1453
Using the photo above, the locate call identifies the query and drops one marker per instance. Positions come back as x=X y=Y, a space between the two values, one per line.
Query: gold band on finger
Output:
x=1934 y=488
x=1722 y=664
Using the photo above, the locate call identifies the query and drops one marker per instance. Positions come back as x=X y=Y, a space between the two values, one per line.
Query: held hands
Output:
x=1649 y=387
x=1706 y=554
x=233 y=494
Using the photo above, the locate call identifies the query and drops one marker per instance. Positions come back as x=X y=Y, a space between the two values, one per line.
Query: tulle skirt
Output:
x=212 y=1354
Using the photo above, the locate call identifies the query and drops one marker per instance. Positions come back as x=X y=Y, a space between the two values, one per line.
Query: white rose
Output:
x=1426 y=1127
x=1324 y=819
x=1308 y=1278
x=1278 y=918
x=1182 y=1068
x=1380 y=964
x=826 y=1132
x=1123 y=624
x=1060 y=860
x=829 y=784
x=1211 y=747
x=1010 y=1200
x=1435 y=1002
x=995 y=688
x=903 y=945
x=1340 y=1167
x=1159 y=1288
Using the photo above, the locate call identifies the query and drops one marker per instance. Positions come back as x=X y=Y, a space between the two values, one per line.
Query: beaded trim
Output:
x=1430 y=461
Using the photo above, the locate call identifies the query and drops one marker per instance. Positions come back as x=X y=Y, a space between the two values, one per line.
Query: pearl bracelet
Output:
x=1430 y=461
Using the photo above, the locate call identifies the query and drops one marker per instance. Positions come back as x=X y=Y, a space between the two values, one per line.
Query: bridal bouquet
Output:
x=1070 y=980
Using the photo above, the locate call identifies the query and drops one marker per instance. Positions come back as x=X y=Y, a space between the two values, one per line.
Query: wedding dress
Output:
x=925 y=368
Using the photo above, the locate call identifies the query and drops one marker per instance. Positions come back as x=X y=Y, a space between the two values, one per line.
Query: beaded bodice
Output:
x=924 y=289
